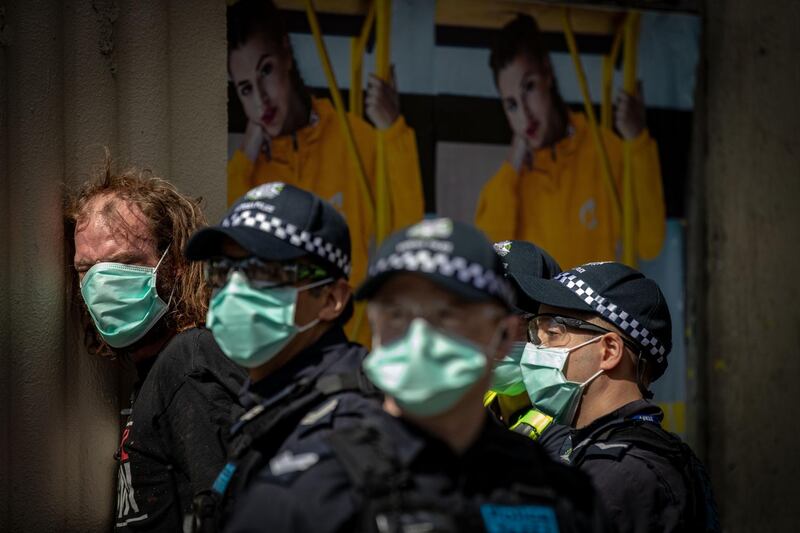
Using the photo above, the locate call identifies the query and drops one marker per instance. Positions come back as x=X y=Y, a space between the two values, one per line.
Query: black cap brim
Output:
x=548 y=292
x=370 y=287
x=208 y=243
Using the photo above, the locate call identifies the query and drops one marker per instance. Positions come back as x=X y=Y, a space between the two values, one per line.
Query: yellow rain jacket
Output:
x=563 y=204
x=317 y=160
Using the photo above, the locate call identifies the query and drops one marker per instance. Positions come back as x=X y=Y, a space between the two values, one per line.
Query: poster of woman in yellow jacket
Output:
x=551 y=190
x=294 y=138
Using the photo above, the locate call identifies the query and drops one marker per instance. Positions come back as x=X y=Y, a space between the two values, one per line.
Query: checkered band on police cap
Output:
x=275 y=226
x=455 y=267
x=613 y=313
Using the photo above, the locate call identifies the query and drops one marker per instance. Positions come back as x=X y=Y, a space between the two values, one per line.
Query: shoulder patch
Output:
x=318 y=414
x=287 y=463
x=610 y=450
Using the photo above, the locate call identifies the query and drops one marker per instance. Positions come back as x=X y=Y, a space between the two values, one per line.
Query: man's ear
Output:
x=509 y=325
x=335 y=300
x=613 y=351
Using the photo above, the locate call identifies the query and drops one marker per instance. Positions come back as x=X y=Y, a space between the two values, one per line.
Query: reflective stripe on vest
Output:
x=532 y=424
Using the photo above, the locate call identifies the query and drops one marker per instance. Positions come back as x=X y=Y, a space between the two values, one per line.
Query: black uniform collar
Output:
x=308 y=364
x=411 y=441
x=642 y=409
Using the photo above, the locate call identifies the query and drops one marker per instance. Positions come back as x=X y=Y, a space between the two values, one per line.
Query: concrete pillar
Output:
x=198 y=115
x=752 y=174
x=5 y=382
x=91 y=400
x=34 y=299
x=141 y=63
x=147 y=80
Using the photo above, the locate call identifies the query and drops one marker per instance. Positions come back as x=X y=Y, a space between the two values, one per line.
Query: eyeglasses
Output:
x=552 y=330
x=261 y=274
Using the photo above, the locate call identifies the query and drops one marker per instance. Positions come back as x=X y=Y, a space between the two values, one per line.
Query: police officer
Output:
x=507 y=398
x=278 y=264
x=600 y=336
x=431 y=459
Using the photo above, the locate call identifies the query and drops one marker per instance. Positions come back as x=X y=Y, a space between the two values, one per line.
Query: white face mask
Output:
x=549 y=390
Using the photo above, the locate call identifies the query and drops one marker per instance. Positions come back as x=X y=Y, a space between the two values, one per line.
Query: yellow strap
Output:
x=532 y=424
x=340 y=112
x=606 y=118
x=357 y=47
x=383 y=14
x=358 y=317
x=589 y=109
x=489 y=397
x=380 y=11
x=629 y=253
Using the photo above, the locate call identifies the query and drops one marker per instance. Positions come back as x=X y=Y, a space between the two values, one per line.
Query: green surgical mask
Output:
x=548 y=388
x=251 y=325
x=123 y=301
x=507 y=374
x=425 y=371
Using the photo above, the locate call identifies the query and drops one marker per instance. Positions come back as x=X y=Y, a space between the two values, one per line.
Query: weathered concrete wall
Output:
x=35 y=297
x=752 y=173
x=146 y=79
x=4 y=248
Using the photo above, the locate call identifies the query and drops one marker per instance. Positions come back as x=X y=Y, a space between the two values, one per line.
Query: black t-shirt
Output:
x=503 y=482
x=641 y=490
x=175 y=439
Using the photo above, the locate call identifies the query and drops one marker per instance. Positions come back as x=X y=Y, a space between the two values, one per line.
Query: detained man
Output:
x=144 y=303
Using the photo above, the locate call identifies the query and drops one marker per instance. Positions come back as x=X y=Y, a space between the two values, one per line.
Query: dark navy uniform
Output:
x=649 y=481
x=331 y=355
x=388 y=475
x=319 y=389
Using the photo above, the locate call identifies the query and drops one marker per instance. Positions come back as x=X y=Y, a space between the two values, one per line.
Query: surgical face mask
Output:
x=251 y=325
x=507 y=373
x=550 y=392
x=122 y=301
x=426 y=371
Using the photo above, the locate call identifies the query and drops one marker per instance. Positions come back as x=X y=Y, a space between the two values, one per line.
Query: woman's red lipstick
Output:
x=269 y=115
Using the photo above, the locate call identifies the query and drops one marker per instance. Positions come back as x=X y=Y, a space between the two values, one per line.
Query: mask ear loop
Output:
x=495 y=344
x=320 y=283
x=155 y=270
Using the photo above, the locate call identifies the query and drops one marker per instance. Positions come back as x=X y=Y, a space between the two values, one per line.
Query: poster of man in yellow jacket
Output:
x=294 y=138
x=551 y=188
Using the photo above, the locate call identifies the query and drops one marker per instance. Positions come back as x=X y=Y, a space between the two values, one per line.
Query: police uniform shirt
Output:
x=331 y=354
x=502 y=481
x=278 y=395
x=174 y=442
x=641 y=491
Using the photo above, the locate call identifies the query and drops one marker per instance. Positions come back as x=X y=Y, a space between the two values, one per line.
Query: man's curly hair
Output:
x=172 y=218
